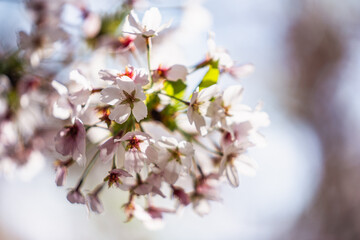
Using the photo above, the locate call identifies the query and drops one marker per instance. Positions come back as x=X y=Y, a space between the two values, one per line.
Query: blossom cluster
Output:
x=160 y=134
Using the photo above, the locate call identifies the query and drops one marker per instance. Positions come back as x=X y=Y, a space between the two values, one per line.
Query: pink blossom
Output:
x=75 y=196
x=70 y=141
x=138 y=150
x=116 y=176
x=138 y=75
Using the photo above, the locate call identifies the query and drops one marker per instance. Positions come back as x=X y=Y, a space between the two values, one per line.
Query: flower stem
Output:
x=148 y=50
x=114 y=163
x=87 y=170
x=178 y=99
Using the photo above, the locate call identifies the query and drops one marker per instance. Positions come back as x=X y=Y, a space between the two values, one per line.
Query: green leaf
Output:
x=176 y=89
x=211 y=77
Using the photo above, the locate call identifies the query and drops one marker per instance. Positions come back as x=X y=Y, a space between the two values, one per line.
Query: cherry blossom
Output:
x=127 y=97
x=115 y=177
x=173 y=73
x=138 y=75
x=198 y=107
x=150 y=25
x=234 y=161
x=138 y=150
x=75 y=196
x=175 y=158
x=70 y=141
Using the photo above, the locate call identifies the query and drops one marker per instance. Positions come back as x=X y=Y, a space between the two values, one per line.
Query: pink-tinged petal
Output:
x=190 y=114
x=141 y=77
x=111 y=95
x=241 y=71
x=168 y=142
x=183 y=197
x=108 y=74
x=194 y=97
x=232 y=94
x=139 y=94
x=121 y=172
x=143 y=189
x=177 y=72
x=107 y=150
x=137 y=134
x=126 y=84
x=133 y=160
x=172 y=171
x=95 y=203
x=61 y=173
x=232 y=175
x=157 y=191
x=186 y=148
x=139 y=111
x=151 y=19
x=71 y=141
x=120 y=113
x=152 y=154
x=63 y=143
x=80 y=97
x=200 y=124
x=75 y=196
x=80 y=142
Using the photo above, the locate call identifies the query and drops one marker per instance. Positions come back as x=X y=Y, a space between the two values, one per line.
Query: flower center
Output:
x=134 y=143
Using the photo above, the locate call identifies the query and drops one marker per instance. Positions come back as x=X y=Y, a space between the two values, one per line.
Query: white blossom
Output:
x=127 y=97
x=149 y=26
x=199 y=104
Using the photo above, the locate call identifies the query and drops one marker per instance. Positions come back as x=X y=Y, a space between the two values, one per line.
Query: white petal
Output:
x=186 y=148
x=246 y=165
x=242 y=71
x=232 y=175
x=80 y=97
x=200 y=124
x=139 y=94
x=134 y=22
x=201 y=207
x=190 y=114
x=60 y=111
x=108 y=74
x=139 y=111
x=151 y=19
x=172 y=171
x=80 y=79
x=126 y=84
x=232 y=94
x=152 y=154
x=165 y=25
x=141 y=76
x=120 y=113
x=177 y=72
x=111 y=95
x=207 y=93
x=60 y=88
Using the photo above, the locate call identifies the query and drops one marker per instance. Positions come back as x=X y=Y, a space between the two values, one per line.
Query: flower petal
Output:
x=139 y=111
x=120 y=113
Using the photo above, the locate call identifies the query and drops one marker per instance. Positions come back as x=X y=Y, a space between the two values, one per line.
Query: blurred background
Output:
x=307 y=60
